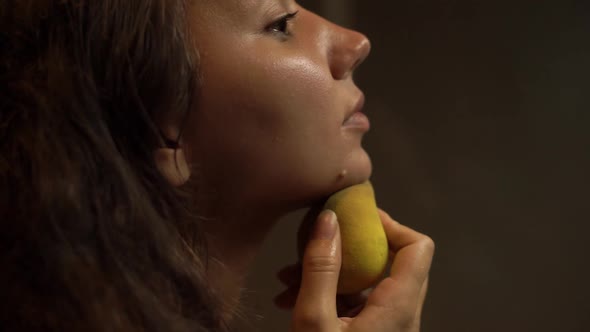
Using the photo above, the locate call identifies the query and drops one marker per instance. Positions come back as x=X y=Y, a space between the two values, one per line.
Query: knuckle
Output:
x=427 y=244
x=321 y=264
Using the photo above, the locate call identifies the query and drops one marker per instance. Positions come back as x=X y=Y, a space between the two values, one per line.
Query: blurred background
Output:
x=480 y=138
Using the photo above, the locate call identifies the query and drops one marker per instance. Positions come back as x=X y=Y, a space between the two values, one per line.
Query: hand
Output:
x=348 y=305
x=394 y=305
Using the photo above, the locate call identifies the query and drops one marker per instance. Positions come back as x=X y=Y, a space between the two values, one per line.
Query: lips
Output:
x=356 y=119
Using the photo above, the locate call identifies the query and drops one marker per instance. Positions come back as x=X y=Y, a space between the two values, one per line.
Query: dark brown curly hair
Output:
x=92 y=237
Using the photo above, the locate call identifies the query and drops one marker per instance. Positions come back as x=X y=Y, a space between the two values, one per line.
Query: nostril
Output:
x=361 y=51
x=348 y=50
x=356 y=63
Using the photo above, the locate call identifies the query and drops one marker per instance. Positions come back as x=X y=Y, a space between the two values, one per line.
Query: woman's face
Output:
x=273 y=116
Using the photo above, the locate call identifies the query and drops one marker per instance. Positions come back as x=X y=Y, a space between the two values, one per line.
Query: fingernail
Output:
x=325 y=228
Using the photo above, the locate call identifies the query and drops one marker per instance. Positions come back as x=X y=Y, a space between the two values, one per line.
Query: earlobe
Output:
x=173 y=165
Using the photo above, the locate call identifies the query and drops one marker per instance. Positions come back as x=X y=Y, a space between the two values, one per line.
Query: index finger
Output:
x=413 y=256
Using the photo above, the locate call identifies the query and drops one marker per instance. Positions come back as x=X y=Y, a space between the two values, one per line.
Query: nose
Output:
x=349 y=49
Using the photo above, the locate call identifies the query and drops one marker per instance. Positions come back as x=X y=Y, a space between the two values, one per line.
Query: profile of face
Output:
x=273 y=117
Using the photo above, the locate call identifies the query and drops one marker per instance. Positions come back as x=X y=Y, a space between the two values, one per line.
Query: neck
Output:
x=234 y=239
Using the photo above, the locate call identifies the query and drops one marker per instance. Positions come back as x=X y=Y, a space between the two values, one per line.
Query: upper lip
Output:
x=358 y=107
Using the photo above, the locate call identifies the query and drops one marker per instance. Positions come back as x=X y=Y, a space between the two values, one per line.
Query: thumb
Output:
x=315 y=308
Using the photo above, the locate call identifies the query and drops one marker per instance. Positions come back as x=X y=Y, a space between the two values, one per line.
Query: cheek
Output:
x=291 y=91
x=270 y=123
x=272 y=98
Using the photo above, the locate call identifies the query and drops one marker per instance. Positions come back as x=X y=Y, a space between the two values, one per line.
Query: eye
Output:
x=282 y=25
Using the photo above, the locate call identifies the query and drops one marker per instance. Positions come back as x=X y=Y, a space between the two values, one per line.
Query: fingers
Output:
x=315 y=307
x=421 y=299
x=347 y=305
x=395 y=304
x=402 y=292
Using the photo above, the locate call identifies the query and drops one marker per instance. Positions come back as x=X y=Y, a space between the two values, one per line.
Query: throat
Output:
x=233 y=244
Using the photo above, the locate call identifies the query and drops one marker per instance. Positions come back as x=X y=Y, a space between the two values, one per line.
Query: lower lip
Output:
x=357 y=121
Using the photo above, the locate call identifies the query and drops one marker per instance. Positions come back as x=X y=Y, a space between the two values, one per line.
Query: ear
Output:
x=173 y=165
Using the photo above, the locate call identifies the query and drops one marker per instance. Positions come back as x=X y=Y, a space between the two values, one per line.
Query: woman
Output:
x=147 y=147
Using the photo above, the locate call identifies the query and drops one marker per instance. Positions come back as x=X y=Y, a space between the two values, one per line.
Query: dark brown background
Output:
x=480 y=138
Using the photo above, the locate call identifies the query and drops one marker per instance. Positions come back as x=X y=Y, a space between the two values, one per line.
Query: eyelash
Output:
x=281 y=25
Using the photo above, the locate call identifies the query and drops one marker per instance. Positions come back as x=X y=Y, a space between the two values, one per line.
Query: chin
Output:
x=311 y=188
x=357 y=169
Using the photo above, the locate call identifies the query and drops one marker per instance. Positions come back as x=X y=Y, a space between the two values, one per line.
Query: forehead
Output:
x=238 y=6
x=232 y=5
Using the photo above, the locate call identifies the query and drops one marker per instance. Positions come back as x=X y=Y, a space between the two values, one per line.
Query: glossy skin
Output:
x=269 y=134
x=268 y=126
